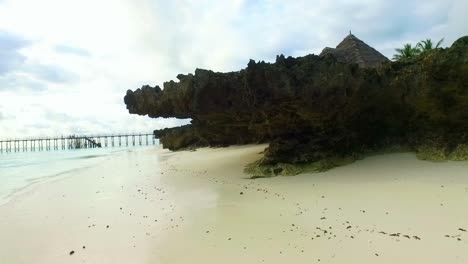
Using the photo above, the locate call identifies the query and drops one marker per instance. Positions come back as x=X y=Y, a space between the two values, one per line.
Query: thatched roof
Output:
x=354 y=50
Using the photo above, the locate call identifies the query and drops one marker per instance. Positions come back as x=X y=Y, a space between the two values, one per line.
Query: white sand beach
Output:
x=156 y=206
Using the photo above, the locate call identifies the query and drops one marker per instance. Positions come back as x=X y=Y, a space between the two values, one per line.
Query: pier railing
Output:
x=75 y=142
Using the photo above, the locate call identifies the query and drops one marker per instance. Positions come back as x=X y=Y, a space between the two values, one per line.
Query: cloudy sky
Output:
x=65 y=65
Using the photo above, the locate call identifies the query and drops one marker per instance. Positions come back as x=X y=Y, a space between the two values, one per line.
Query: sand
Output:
x=198 y=207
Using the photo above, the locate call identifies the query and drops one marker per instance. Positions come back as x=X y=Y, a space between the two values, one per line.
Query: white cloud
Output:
x=96 y=50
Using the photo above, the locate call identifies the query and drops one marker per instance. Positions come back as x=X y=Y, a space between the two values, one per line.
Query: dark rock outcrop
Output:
x=319 y=111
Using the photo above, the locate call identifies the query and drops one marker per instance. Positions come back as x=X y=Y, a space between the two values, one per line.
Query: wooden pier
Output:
x=75 y=142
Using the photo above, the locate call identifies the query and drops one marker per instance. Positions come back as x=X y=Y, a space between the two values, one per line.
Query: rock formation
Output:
x=317 y=112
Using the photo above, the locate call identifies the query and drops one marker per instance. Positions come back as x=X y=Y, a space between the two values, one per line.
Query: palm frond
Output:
x=439 y=43
x=408 y=51
x=423 y=46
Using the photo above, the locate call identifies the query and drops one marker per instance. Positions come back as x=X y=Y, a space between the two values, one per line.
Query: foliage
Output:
x=427 y=45
x=408 y=51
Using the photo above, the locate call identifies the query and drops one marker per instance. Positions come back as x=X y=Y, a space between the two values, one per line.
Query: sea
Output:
x=20 y=170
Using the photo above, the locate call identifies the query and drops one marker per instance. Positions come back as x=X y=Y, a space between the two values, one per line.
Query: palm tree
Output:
x=408 y=51
x=427 y=45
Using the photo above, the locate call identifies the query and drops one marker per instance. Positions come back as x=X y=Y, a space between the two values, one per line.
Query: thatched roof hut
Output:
x=354 y=50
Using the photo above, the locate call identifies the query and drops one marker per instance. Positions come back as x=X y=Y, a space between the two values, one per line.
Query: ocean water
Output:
x=22 y=169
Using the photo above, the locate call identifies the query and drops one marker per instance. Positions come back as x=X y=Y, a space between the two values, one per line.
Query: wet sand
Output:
x=198 y=207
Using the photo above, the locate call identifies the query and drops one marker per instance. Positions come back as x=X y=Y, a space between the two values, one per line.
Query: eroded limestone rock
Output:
x=317 y=112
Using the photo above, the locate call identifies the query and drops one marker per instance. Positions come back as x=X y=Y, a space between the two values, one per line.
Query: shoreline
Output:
x=157 y=203
x=31 y=183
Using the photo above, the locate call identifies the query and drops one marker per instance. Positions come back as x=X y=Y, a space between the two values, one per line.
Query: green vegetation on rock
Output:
x=431 y=153
x=258 y=169
x=459 y=153
x=409 y=51
x=428 y=45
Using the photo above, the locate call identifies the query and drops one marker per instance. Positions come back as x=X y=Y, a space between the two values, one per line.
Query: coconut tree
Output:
x=408 y=51
x=427 y=45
